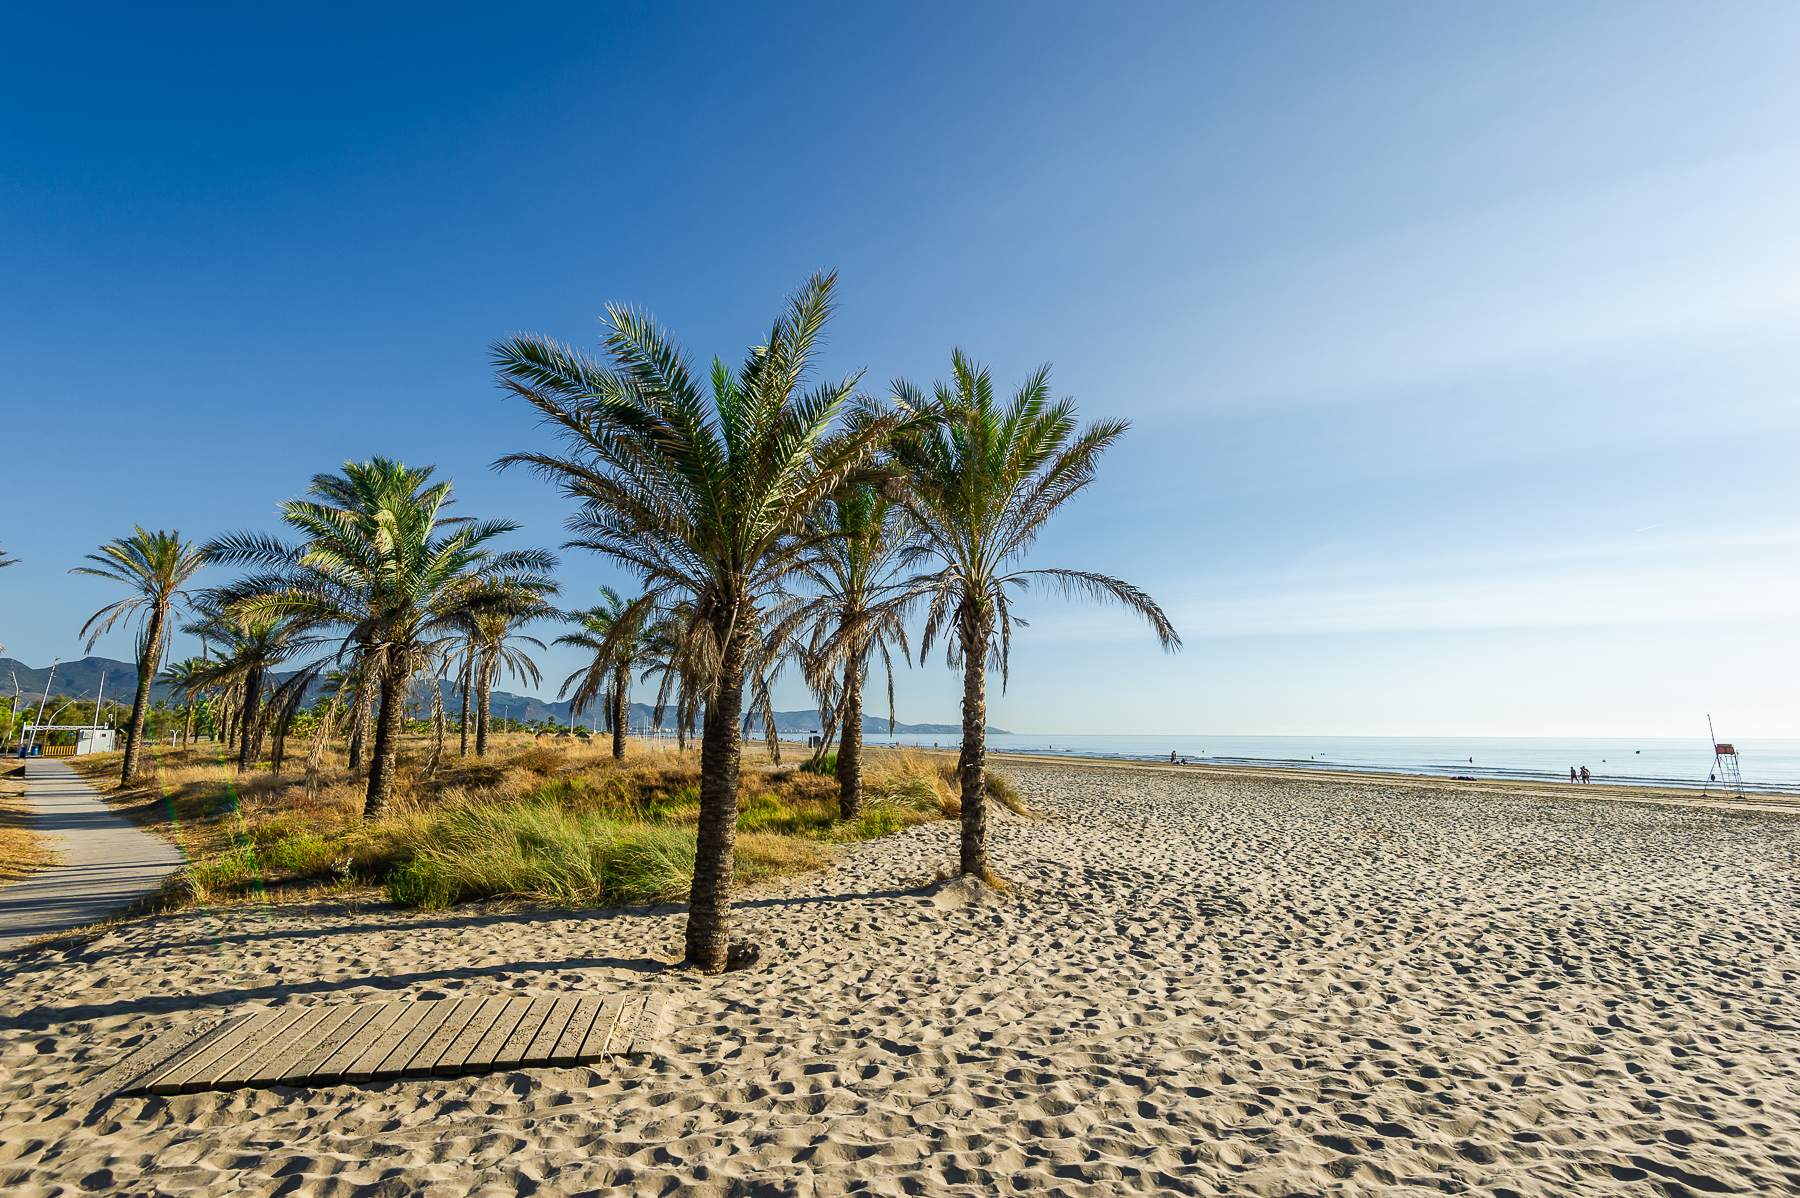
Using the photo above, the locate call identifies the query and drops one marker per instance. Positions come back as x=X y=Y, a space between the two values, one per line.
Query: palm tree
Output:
x=187 y=682
x=705 y=497
x=252 y=646
x=859 y=610
x=981 y=482
x=619 y=644
x=7 y=561
x=490 y=633
x=156 y=566
x=381 y=562
x=675 y=657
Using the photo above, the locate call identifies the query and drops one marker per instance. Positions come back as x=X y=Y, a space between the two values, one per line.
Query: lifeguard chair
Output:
x=1725 y=773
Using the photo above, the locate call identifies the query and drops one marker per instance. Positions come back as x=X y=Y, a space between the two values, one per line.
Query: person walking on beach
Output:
x=1584 y=774
x=1572 y=774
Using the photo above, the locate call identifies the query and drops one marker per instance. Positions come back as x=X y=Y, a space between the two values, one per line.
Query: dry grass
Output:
x=559 y=822
x=21 y=849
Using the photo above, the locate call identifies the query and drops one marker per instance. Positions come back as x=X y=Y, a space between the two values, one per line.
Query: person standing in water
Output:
x=1585 y=776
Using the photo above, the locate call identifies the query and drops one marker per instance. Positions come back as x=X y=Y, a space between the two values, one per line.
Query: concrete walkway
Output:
x=107 y=863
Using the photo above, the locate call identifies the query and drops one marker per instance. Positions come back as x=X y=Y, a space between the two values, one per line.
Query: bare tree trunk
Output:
x=386 y=753
x=709 y=902
x=252 y=706
x=849 y=762
x=149 y=658
x=973 y=623
x=621 y=707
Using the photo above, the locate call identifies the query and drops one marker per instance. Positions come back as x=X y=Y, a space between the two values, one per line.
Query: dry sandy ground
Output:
x=1217 y=985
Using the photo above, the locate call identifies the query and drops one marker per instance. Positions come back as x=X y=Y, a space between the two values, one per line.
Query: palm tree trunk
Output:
x=973 y=627
x=386 y=753
x=709 y=902
x=462 y=721
x=359 y=715
x=481 y=715
x=252 y=702
x=148 y=654
x=621 y=710
x=849 y=762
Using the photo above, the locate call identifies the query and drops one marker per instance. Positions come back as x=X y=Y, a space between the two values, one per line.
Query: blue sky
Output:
x=1459 y=341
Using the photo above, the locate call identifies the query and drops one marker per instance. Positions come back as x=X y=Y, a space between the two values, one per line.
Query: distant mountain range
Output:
x=82 y=679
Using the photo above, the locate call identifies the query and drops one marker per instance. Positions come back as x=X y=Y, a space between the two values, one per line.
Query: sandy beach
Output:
x=1205 y=982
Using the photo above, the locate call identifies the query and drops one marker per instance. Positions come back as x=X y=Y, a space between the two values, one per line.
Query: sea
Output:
x=1765 y=765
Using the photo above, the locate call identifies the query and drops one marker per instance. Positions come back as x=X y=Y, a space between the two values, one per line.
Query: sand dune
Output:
x=1206 y=985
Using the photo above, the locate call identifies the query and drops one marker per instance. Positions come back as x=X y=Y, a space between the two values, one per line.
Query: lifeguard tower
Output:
x=1724 y=772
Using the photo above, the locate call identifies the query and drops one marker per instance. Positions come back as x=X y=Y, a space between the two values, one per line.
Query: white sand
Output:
x=1219 y=986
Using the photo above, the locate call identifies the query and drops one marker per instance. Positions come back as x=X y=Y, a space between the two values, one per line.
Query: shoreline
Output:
x=1768 y=802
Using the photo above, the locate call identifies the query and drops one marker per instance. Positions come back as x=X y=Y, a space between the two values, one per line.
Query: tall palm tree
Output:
x=859 y=610
x=381 y=562
x=705 y=497
x=7 y=561
x=981 y=482
x=157 y=567
x=619 y=644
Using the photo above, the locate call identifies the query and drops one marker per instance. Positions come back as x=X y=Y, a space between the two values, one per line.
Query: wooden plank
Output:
x=606 y=1026
x=355 y=1015
x=382 y=1016
x=649 y=1026
x=200 y=1053
x=573 y=1035
x=225 y=1062
x=451 y=1063
x=363 y=1068
x=512 y=1053
x=401 y=1054
x=253 y=1064
x=305 y=1037
x=481 y=1057
x=540 y=1049
x=441 y=1039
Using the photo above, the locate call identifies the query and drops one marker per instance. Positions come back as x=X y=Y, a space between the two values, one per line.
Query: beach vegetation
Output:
x=571 y=826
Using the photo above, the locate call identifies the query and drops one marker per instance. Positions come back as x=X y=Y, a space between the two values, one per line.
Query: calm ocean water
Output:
x=1770 y=765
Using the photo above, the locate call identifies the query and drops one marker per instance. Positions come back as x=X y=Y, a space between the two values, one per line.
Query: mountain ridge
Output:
x=80 y=679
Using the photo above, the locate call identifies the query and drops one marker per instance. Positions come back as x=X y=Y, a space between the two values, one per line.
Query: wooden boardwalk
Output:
x=335 y=1043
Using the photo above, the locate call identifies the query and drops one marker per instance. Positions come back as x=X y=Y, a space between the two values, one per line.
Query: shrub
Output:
x=826 y=764
x=419 y=883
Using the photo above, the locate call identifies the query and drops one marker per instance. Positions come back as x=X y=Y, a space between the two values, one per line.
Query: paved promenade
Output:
x=107 y=863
